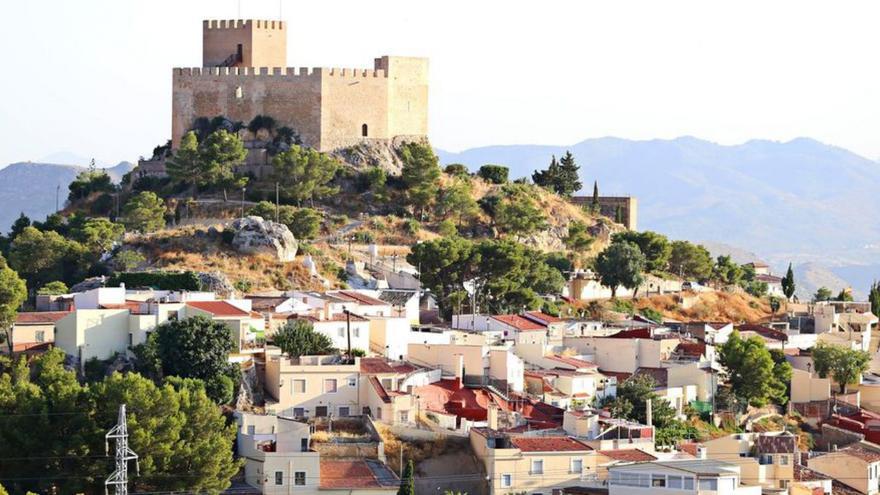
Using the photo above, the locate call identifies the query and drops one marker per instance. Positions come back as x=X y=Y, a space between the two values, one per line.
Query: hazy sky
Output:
x=93 y=77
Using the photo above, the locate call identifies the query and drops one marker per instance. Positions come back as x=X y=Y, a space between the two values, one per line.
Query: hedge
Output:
x=157 y=280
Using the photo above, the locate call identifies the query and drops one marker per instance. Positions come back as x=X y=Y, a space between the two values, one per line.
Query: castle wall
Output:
x=407 y=94
x=292 y=97
x=264 y=43
x=351 y=98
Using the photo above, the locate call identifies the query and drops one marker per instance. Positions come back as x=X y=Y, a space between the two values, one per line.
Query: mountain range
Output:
x=31 y=188
x=799 y=201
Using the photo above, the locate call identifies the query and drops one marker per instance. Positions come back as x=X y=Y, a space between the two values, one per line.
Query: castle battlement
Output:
x=282 y=72
x=242 y=24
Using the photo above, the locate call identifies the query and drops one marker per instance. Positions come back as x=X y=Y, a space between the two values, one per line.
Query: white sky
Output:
x=93 y=77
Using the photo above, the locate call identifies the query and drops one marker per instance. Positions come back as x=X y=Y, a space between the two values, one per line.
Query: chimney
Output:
x=648 y=413
x=701 y=452
x=492 y=416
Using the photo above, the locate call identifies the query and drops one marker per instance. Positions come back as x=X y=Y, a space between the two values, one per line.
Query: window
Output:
x=710 y=484
x=299 y=478
x=577 y=465
x=299 y=412
x=658 y=480
x=344 y=411
x=506 y=480
x=352 y=382
x=378 y=413
x=404 y=416
x=364 y=130
x=538 y=466
x=321 y=411
x=688 y=483
x=341 y=331
x=279 y=477
x=673 y=482
x=386 y=384
x=40 y=336
x=356 y=332
x=299 y=387
x=783 y=460
x=330 y=385
x=304 y=444
x=130 y=340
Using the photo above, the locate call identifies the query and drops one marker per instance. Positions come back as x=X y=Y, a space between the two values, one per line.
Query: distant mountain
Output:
x=801 y=200
x=811 y=276
x=30 y=188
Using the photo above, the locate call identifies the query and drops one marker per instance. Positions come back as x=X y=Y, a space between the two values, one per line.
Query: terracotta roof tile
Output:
x=40 y=317
x=548 y=444
x=218 y=308
x=518 y=322
x=542 y=317
x=382 y=365
x=577 y=363
x=346 y=474
x=361 y=298
x=776 y=444
x=863 y=453
x=628 y=455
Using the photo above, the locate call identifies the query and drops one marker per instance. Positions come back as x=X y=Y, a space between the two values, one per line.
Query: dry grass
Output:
x=417 y=450
x=709 y=306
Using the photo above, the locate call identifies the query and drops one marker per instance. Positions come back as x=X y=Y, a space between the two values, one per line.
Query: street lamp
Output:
x=243 y=189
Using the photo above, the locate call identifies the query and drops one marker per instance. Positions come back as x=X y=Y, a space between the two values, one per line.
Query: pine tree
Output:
x=594 y=204
x=407 y=481
x=618 y=214
x=788 y=286
x=568 y=182
x=547 y=178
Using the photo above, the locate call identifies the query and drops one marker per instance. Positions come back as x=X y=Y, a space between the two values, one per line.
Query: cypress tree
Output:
x=788 y=286
x=874 y=298
x=547 y=178
x=407 y=481
x=594 y=205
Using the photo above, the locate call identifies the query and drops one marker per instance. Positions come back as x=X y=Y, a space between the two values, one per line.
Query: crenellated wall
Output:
x=328 y=107
x=263 y=43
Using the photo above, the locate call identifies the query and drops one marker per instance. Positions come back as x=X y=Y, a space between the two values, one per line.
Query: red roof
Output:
x=765 y=332
x=343 y=474
x=689 y=447
x=133 y=306
x=865 y=454
x=628 y=455
x=336 y=317
x=577 y=363
x=361 y=298
x=548 y=444
x=542 y=317
x=218 y=308
x=40 y=317
x=518 y=322
x=637 y=333
x=380 y=390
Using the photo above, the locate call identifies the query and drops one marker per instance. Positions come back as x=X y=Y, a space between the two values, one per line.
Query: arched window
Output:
x=364 y=130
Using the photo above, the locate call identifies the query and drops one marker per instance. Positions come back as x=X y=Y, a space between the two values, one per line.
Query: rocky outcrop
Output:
x=377 y=153
x=253 y=235
x=216 y=282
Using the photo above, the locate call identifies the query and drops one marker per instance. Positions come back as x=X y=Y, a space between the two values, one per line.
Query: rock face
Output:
x=253 y=235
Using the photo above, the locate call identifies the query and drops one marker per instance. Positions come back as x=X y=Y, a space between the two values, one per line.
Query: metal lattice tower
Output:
x=119 y=433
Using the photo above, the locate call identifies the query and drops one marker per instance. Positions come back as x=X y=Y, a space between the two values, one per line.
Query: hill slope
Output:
x=30 y=188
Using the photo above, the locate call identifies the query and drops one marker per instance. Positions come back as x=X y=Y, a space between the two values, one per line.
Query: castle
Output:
x=244 y=73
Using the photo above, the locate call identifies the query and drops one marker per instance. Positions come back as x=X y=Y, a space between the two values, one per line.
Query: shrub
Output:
x=447 y=228
x=364 y=237
x=496 y=174
x=456 y=170
x=158 y=280
x=372 y=179
x=412 y=226
x=305 y=223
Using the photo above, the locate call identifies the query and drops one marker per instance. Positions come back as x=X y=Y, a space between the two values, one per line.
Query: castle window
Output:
x=238 y=93
x=364 y=130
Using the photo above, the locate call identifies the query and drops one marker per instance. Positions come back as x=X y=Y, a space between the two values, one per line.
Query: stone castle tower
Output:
x=244 y=73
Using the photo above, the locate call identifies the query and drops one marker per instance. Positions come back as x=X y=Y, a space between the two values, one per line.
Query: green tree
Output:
x=690 y=261
x=408 y=480
x=456 y=201
x=13 y=293
x=186 y=164
x=304 y=174
x=594 y=202
x=578 y=238
x=495 y=174
x=751 y=371
x=420 y=174
x=517 y=213
x=549 y=178
x=144 y=212
x=756 y=288
x=845 y=366
x=456 y=170
x=54 y=288
x=844 y=295
x=127 y=260
x=788 y=286
x=98 y=234
x=299 y=338
x=636 y=391
x=654 y=246
x=197 y=347
x=822 y=294
x=43 y=257
x=620 y=264
x=445 y=264
x=874 y=298
x=218 y=154
x=88 y=182
x=726 y=271
x=305 y=223
x=447 y=228
x=568 y=181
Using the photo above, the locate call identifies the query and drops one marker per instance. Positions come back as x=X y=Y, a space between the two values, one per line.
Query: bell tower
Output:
x=244 y=43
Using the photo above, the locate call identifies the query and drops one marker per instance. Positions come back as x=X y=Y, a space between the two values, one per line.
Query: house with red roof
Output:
x=501 y=327
x=33 y=330
x=856 y=466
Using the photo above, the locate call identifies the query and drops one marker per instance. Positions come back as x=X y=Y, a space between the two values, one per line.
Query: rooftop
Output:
x=346 y=474
x=628 y=455
x=699 y=467
x=377 y=365
x=548 y=444
x=784 y=443
x=360 y=298
x=39 y=317
x=518 y=322
x=571 y=361
x=218 y=308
